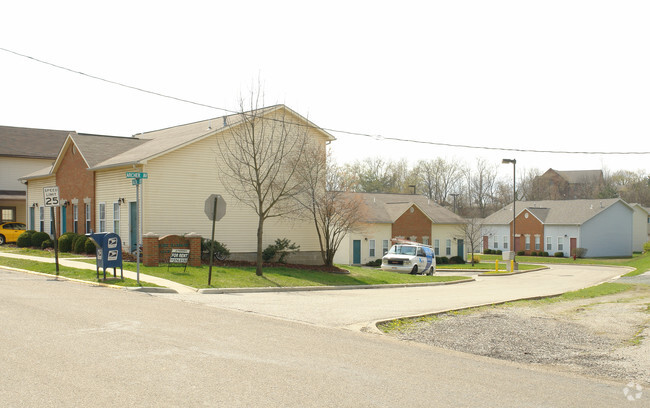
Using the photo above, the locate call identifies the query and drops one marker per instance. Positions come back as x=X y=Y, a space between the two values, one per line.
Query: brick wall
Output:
x=158 y=250
x=75 y=182
x=413 y=223
x=527 y=224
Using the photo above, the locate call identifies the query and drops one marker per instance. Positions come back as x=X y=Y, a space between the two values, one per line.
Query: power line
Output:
x=376 y=137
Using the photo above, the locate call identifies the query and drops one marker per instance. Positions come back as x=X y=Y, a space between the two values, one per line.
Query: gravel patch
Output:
x=605 y=337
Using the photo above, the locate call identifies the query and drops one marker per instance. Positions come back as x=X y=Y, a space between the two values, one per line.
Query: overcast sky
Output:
x=530 y=75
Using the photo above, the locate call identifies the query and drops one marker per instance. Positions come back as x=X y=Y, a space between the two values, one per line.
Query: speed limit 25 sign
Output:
x=51 y=196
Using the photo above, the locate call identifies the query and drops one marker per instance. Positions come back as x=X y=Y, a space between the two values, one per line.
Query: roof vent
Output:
x=225 y=121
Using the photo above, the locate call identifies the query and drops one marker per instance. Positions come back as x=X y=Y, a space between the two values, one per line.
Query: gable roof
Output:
x=97 y=148
x=560 y=212
x=386 y=208
x=578 y=176
x=31 y=143
x=166 y=140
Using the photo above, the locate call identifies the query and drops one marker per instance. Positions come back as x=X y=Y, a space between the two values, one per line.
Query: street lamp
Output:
x=514 y=200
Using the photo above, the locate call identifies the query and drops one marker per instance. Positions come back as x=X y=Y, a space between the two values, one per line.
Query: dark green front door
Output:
x=356 y=251
x=461 y=248
x=133 y=225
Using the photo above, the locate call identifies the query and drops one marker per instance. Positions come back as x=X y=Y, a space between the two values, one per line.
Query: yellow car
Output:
x=10 y=231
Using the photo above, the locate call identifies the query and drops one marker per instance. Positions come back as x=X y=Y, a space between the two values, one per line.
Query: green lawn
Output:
x=245 y=277
x=639 y=261
x=73 y=273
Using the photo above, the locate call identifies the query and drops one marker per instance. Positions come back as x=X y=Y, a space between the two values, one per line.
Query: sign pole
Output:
x=56 y=242
x=214 y=221
x=138 y=249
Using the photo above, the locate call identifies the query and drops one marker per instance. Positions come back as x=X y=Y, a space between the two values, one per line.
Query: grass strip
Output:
x=72 y=273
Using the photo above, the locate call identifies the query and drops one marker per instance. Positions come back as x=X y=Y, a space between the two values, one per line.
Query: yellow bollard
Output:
x=512 y=265
x=496 y=265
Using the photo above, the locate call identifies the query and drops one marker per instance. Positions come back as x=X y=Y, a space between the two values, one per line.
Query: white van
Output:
x=410 y=257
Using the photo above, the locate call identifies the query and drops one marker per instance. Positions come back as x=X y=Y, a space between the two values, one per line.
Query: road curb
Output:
x=213 y=291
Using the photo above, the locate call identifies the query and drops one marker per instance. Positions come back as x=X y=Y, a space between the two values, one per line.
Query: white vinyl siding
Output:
x=189 y=175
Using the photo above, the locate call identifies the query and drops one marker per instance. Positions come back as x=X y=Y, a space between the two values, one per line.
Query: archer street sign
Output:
x=137 y=175
x=210 y=207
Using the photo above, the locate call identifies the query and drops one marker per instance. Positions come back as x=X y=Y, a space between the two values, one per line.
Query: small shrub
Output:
x=533 y=253
x=47 y=244
x=206 y=244
x=476 y=259
x=442 y=260
x=282 y=248
x=79 y=244
x=646 y=247
x=579 y=252
x=25 y=239
x=38 y=238
x=498 y=252
x=488 y=251
x=65 y=241
x=456 y=260
x=375 y=263
x=559 y=255
x=544 y=253
x=521 y=253
x=90 y=247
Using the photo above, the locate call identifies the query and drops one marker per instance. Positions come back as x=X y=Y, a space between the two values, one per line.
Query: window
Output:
x=436 y=246
x=496 y=242
x=7 y=214
x=75 y=216
x=560 y=244
x=41 y=219
x=102 y=217
x=116 y=218
x=505 y=241
x=88 y=225
x=384 y=246
x=425 y=240
x=371 y=245
x=527 y=242
x=448 y=248
x=537 y=243
x=549 y=244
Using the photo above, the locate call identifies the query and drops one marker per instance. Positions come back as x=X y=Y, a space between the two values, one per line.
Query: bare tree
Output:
x=335 y=212
x=438 y=178
x=258 y=162
x=472 y=231
x=481 y=183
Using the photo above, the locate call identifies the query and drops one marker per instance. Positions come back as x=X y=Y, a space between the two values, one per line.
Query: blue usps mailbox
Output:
x=109 y=252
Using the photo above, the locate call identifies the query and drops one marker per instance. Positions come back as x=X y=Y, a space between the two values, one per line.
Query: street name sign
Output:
x=137 y=175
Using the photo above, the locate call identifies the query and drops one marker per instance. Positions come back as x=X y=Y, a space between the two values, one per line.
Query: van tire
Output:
x=431 y=271
x=414 y=271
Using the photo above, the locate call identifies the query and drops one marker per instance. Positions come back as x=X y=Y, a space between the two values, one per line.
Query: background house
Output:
x=568 y=185
x=603 y=227
x=23 y=151
x=406 y=216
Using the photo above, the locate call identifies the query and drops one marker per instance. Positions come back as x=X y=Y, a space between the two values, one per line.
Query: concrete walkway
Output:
x=166 y=286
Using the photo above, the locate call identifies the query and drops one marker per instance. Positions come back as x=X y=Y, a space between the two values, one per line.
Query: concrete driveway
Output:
x=359 y=309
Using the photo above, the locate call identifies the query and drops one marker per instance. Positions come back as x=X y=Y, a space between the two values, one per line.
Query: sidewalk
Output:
x=167 y=286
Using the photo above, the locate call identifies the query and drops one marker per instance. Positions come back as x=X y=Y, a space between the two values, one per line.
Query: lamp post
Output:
x=514 y=201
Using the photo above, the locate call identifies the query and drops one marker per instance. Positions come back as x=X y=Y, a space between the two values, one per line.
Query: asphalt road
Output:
x=361 y=308
x=68 y=344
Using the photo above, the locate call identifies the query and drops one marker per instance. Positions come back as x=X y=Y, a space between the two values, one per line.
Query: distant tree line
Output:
x=477 y=191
